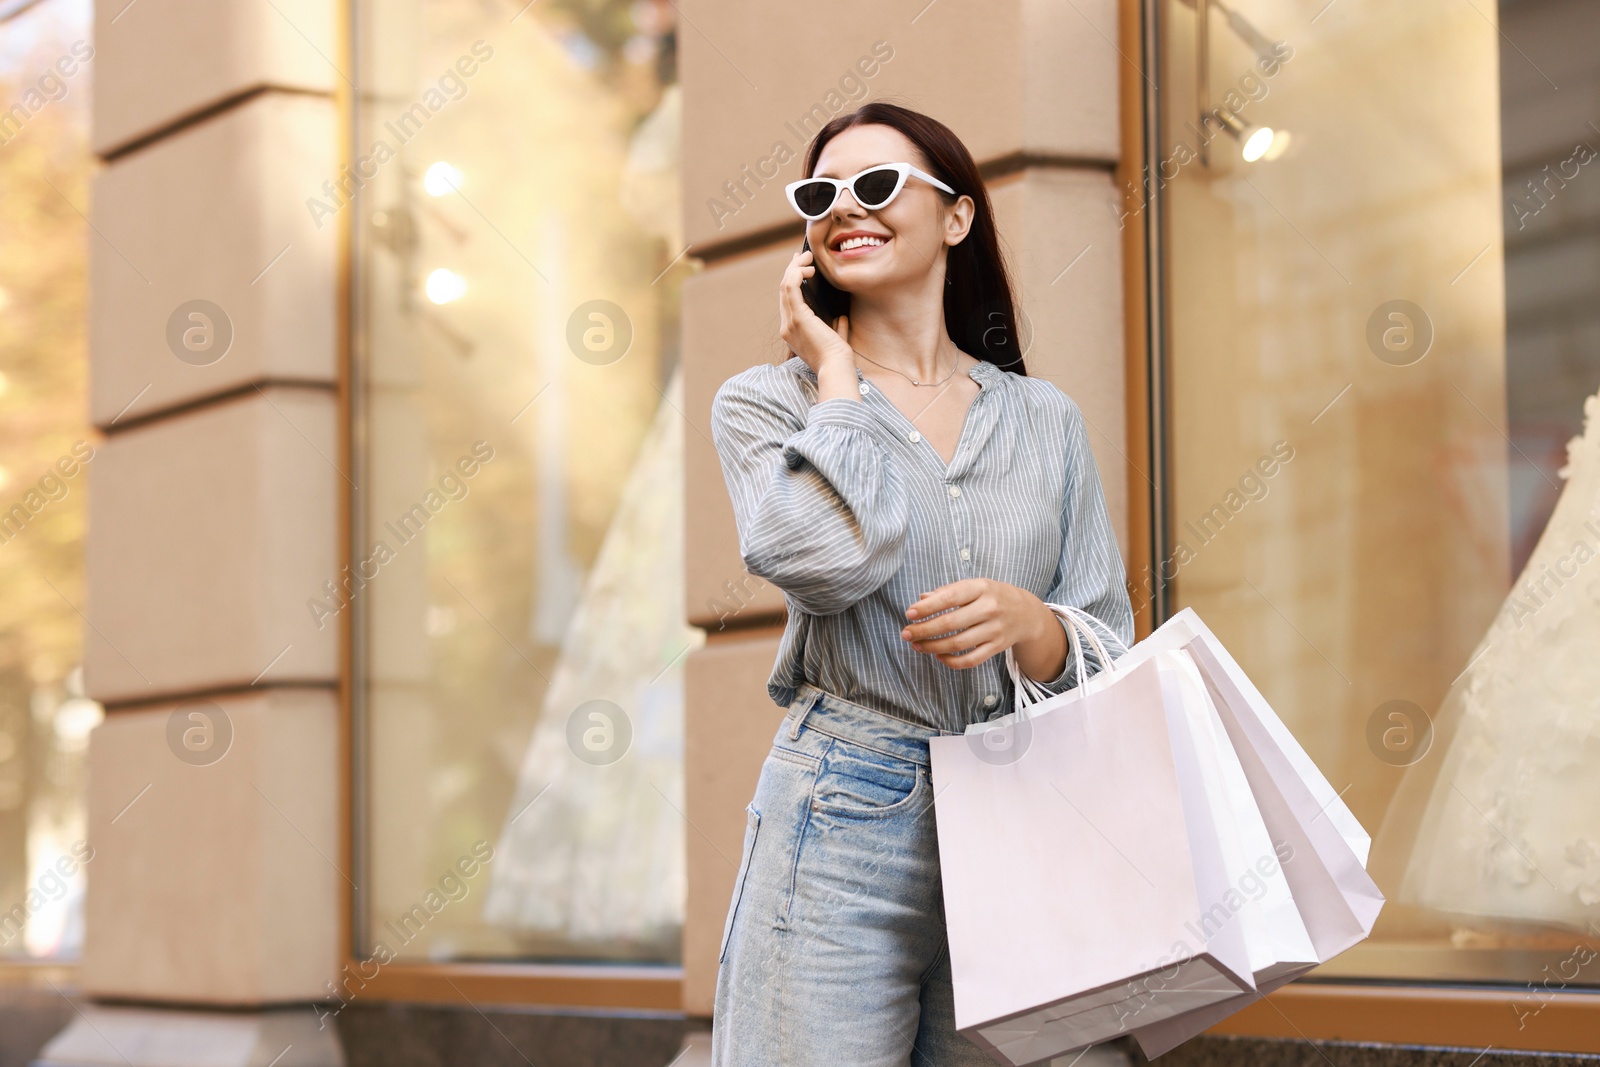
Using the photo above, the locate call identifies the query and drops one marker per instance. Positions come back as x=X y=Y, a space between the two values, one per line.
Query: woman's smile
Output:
x=854 y=244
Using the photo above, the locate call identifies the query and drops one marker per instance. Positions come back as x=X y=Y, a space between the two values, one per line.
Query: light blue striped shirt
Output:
x=849 y=510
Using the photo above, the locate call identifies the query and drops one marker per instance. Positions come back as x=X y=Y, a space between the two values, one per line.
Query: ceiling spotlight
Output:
x=1279 y=144
x=1255 y=142
x=441 y=179
x=445 y=286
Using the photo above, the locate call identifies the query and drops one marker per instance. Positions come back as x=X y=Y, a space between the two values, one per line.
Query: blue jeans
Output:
x=834 y=953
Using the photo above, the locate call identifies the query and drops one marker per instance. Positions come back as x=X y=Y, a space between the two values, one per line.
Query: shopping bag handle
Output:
x=1030 y=691
x=1088 y=623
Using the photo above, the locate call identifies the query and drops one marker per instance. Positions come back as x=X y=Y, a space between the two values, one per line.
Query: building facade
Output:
x=433 y=684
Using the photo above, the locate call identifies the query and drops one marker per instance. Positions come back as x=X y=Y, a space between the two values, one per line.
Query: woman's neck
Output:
x=922 y=355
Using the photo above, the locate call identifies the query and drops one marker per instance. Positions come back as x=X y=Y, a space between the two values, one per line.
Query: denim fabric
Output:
x=833 y=952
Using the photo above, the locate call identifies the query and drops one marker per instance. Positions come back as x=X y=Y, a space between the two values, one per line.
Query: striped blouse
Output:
x=845 y=507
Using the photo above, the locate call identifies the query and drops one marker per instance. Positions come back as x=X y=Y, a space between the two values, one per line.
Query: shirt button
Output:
x=913 y=437
x=989 y=700
x=966 y=553
x=865 y=389
x=955 y=490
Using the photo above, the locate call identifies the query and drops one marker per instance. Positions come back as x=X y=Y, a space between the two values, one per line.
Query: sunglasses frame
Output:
x=904 y=170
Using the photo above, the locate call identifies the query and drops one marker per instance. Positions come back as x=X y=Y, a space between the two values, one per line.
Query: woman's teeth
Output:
x=857 y=242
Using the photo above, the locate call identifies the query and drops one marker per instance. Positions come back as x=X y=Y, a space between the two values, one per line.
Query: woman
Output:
x=919 y=500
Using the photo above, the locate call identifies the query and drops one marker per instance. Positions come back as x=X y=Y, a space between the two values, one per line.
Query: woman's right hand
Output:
x=802 y=329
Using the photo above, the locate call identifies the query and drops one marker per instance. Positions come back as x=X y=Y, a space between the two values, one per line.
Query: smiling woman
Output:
x=919 y=500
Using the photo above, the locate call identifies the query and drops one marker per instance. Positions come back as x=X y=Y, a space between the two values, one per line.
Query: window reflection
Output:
x=1370 y=305
x=517 y=310
x=45 y=444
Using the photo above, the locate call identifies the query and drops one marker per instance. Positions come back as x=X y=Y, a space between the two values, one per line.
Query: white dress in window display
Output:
x=591 y=853
x=1510 y=832
x=591 y=856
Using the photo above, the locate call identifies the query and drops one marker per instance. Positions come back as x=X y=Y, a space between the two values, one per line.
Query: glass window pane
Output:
x=519 y=557
x=45 y=444
x=1382 y=257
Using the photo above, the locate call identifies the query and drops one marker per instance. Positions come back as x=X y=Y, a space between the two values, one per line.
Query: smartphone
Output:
x=821 y=296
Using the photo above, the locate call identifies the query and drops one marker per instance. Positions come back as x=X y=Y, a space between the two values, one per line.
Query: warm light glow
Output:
x=74 y=719
x=1280 y=142
x=445 y=286
x=1256 y=145
x=441 y=179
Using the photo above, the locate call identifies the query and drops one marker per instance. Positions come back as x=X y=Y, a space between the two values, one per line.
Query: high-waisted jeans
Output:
x=834 y=953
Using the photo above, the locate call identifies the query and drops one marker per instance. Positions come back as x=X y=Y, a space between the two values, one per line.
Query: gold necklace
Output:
x=908 y=377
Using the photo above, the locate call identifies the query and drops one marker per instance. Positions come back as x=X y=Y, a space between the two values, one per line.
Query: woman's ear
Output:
x=958 y=222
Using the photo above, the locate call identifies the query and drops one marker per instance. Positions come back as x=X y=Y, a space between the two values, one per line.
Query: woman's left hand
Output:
x=989 y=617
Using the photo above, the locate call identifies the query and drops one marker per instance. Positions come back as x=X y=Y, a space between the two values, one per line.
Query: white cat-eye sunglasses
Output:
x=873 y=188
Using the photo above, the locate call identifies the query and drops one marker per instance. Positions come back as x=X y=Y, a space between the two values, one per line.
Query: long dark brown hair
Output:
x=979 y=313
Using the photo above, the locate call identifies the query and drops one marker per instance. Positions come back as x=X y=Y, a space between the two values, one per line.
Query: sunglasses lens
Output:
x=875 y=187
x=814 y=198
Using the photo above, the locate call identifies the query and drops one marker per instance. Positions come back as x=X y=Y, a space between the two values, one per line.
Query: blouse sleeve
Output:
x=820 y=505
x=1090 y=573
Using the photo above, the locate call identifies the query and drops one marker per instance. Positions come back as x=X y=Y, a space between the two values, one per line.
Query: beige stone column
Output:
x=214 y=504
x=1031 y=86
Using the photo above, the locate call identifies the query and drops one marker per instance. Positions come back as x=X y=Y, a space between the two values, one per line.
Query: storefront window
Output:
x=45 y=444
x=1380 y=246
x=518 y=545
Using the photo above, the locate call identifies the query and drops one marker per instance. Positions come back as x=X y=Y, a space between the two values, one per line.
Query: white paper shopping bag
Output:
x=1259 y=896
x=1322 y=846
x=1305 y=810
x=1333 y=892
x=1074 y=862
x=1279 y=942
x=1186 y=627
x=1318 y=890
x=1257 y=899
x=1299 y=805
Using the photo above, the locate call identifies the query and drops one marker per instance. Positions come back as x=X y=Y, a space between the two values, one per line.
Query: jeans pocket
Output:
x=858 y=782
x=751 y=826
